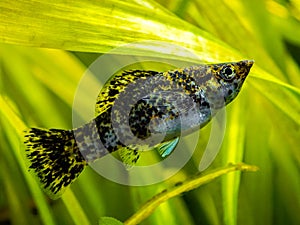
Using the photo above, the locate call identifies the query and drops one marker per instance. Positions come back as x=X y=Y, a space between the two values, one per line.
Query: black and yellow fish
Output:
x=135 y=110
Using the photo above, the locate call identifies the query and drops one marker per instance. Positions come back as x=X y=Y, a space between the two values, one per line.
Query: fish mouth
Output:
x=246 y=63
x=245 y=66
x=249 y=63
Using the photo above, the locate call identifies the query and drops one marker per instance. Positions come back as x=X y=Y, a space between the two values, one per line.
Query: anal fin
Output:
x=129 y=156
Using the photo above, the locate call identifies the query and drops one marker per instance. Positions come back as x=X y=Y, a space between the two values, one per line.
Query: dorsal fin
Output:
x=116 y=85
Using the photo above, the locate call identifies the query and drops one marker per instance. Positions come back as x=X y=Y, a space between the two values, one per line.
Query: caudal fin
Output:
x=54 y=157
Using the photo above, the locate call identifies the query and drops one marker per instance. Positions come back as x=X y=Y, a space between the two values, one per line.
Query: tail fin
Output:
x=54 y=157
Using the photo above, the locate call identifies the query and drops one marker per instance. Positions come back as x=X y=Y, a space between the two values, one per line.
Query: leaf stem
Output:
x=187 y=185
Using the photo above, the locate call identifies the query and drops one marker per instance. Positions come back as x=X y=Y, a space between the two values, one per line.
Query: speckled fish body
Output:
x=131 y=109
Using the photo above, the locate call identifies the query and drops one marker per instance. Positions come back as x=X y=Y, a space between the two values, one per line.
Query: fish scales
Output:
x=131 y=108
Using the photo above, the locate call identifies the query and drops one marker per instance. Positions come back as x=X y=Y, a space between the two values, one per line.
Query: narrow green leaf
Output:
x=13 y=190
x=256 y=192
x=74 y=208
x=100 y=26
x=43 y=77
x=265 y=31
x=109 y=221
x=285 y=99
x=17 y=129
x=165 y=213
x=188 y=185
x=28 y=66
x=233 y=152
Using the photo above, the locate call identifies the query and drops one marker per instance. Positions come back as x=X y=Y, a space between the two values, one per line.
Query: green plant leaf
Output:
x=234 y=153
x=100 y=26
x=109 y=221
x=186 y=186
x=7 y=111
x=74 y=208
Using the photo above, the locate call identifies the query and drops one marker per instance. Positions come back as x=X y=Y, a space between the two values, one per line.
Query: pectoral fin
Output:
x=130 y=156
x=166 y=148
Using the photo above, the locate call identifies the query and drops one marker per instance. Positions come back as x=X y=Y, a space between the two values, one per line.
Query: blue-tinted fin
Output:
x=129 y=156
x=165 y=148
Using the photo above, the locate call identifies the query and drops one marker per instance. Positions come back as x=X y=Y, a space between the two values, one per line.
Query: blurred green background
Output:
x=45 y=49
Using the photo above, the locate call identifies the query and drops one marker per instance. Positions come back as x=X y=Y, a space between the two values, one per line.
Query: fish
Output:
x=136 y=110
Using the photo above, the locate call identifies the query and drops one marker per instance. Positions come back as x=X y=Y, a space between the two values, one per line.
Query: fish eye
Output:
x=227 y=73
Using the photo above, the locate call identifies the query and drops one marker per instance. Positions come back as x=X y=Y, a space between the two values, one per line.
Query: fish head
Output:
x=231 y=77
